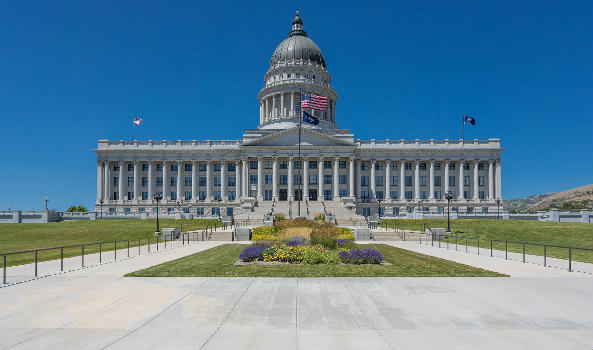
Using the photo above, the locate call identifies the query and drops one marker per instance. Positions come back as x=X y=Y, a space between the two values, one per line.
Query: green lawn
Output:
x=218 y=262
x=18 y=237
x=555 y=233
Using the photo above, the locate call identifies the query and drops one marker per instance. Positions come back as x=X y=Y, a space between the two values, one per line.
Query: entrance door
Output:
x=282 y=194
x=313 y=195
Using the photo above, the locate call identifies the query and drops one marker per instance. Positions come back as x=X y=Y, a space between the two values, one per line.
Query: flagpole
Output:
x=463 y=128
x=302 y=164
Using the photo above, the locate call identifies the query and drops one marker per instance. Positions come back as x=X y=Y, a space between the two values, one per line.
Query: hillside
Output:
x=573 y=199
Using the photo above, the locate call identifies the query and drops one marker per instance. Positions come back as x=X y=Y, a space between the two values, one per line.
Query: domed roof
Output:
x=297 y=47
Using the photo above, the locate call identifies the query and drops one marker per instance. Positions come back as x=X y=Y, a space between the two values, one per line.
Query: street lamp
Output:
x=157 y=198
x=101 y=206
x=379 y=209
x=498 y=208
x=46 y=200
x=448 y=197
x=219 y=215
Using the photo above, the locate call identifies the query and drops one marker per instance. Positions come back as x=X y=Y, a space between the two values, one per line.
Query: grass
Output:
x=18 y=237
x=218 y=262
x=571 y=234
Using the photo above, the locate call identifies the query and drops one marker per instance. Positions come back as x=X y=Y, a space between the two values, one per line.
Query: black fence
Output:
x=467 y=242
x=104 y=248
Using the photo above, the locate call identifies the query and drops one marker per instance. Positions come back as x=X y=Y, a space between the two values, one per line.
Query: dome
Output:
x=297 y=47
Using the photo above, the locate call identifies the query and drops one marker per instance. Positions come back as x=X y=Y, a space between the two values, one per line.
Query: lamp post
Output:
x=157 y=198
x=448 y=197
x=498 y=208
x=101 y=206
x=379 y=208
x=46 y=200
x=219 y=200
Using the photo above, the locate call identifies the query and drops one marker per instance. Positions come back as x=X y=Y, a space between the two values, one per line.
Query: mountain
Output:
x=573 y=199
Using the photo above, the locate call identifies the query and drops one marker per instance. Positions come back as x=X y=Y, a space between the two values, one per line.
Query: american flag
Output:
x=313 y=101
x=137 y=121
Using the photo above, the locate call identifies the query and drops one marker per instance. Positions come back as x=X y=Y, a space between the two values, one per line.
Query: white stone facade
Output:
x=398 y=176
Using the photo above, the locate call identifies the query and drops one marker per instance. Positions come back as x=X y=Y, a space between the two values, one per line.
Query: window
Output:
x=466 y=180
x=425 y=209
x=342 y=164
x=440 y=210
x=393 y=166
x=202 y=196
x=327 y=179
x=283 y=179
x=186 y=210
x=231 y=166
x=229 y=211
x=408 y=181
x=283 y=164
x=481 y=194
x=393 y=181
x=116 y=181
x=364 y=195
x=480 y=180
x=422 y=194
x=466 y=194
x=378 y=166
x=187 y=181
x=203 y=167
x=116 y=167
x=144 y=196
x=298 y=164
x=395 y=211
x=173 y=195
x=378 y=180
x=217 y=166
x=217 y=195
x=342 y=193
x=379 y=194
x=130 y=181
x=481 y=166
x=408 y=166
x=267 y=195
x=409 y=195
x=215 y=211
x=451 y=180
x=455 y=209
x=327 y=195
x=159 y=167
x=364 y=166
x=437 y=194
x=312 y=179
x=437 y=166
x=203 y=181
x=327 y=164
x=217 y=181
x=364 y=180
x=312 y=164
x=470 y=210
x=485 y=210
x=112 y=210
x=422 y=180
x=144 y=167
x=130 y=196
x=159 y=181
x=253 y=165
x=366 y=211
x=268 y=179
x=297 y=179
x=393 y=194
x=253 y=179
x=451 y=166
x=231 y=181
x=142 y=210
x=188 y=166
x=422 y=166
x=173 y=181
x=130 y=167
x=465 y=166
x=127 y=210
x=187 y=195
x=200 y=211
x=342 y=179
x=410 y=210
x=231 y=195
x=144 y=181
x=437 y=180
x=268 y=164
x=174 y=167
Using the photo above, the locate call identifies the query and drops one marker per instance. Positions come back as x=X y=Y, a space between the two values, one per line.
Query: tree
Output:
x=77 y=209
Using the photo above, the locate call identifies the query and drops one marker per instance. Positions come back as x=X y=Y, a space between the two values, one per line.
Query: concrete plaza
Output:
x=97 y=308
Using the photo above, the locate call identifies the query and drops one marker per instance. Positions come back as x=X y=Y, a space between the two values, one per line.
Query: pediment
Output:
x=290 y=137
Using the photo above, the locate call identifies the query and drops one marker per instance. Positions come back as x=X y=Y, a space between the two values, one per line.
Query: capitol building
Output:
x=335 y=173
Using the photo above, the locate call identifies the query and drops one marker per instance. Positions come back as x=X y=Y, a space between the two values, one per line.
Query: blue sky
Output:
x=73 y=72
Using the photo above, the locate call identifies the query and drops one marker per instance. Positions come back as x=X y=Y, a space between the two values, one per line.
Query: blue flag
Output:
x=468 y=119
x=311 y=119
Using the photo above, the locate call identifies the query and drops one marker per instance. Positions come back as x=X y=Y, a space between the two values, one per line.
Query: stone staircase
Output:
x=391 y=235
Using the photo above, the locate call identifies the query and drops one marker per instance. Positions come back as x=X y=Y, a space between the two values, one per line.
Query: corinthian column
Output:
x=387 y=183
x=416 y=180
x=179 y=189
x=209 y=181
x=476 y=180
x=402 y=177
x=490 y=179
x=498 y=180
x=373 y=195
x=305 y=178
x=352 y=180
x=121 y=180
x=292 y=105
x=166 y=193
x=320 y=179
x=223 y=181
x=260 y=175
x=238 y=179
x=136 y=180
x=194 y=181
x=275 y=179
x=431 y=180
x=245 y=177
x=460 y=180
x=150 y=180
x=336 y=179
x=100 y=180
x=108 y=175
x=290 y=178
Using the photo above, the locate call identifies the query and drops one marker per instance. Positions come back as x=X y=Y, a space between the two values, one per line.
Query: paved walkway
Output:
x=97 y=308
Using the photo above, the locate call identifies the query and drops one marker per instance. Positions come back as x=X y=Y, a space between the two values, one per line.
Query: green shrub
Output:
x=319 y=217
x=263 y=233
x=325 y=241
x=279 y=217
x=345 y=233
x=313 y=256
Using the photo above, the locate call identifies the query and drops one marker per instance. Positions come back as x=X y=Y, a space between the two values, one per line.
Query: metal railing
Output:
x=466 y=241
x=185 y=237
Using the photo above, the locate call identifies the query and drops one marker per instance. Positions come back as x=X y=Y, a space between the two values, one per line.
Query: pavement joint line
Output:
x=78 y=319
x=157 y=315
x=228 y=314
x=296 y=314
x=369 y=319
x=87 y=267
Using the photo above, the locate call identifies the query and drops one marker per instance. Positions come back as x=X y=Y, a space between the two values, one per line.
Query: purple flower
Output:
x=297 y=240
x=343 y=242
x=362 y=256
x=253 y=252
x=344 y=257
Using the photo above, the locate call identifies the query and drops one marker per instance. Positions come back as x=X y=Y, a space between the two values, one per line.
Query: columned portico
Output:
x=387 y=180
